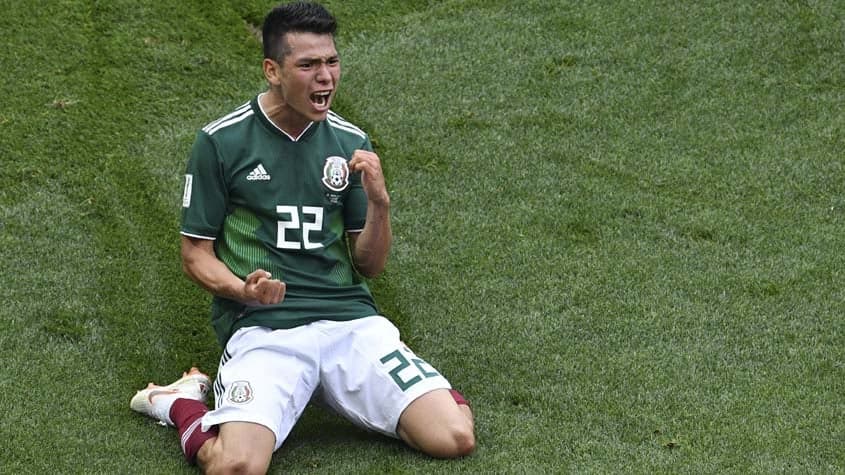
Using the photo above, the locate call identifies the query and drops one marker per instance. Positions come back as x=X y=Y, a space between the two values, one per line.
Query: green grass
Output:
x=618 y=227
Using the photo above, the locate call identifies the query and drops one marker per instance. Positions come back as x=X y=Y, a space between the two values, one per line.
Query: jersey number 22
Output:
x=311 y=220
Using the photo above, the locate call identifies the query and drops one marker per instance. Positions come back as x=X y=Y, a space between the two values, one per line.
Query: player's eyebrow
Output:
x=320 y=59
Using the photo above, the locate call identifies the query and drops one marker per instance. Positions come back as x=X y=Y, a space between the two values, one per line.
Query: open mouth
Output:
x=321 y=99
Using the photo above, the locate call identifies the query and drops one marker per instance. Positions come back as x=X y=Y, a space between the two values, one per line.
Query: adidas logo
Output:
x=258 y=174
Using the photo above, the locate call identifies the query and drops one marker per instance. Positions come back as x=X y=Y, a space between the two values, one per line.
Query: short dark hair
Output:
x=296 y=17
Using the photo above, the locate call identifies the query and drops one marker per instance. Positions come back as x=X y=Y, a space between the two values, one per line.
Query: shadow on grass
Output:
x=322 y=437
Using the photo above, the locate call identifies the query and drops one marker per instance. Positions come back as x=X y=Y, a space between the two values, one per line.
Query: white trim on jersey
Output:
x=228 y=116
x=234 y=120
x=197 y=236
x=338 y=122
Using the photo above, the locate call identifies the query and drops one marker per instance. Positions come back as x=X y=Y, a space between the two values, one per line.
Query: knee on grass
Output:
x=453 y=441
x=233 y=464
x=222 y=461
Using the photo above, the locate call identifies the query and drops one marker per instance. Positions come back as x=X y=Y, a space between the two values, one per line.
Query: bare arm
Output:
x=371 y=246
x=200 y=263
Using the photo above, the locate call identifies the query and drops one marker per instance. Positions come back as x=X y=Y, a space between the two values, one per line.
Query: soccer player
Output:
x=284 y=213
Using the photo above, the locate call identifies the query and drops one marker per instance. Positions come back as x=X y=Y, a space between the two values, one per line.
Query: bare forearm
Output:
x=210 y=273
x=372 y=245
x=201 y=264
x=217 y=281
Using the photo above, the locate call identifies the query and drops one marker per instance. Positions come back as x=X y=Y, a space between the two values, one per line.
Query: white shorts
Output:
x=359 y=368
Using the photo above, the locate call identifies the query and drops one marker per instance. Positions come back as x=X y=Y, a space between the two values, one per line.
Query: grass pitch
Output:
x=618 y=227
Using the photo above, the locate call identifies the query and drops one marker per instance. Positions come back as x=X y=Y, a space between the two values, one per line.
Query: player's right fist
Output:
x=260 y=287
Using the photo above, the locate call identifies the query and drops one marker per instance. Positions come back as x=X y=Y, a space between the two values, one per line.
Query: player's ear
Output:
x=272 y=71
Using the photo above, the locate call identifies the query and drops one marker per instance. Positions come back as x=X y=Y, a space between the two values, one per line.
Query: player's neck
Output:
x=283 y=116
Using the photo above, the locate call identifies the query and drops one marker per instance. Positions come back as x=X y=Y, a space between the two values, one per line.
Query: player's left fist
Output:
x=372 y=177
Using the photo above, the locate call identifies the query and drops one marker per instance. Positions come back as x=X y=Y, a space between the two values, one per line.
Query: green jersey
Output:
x=282 y=204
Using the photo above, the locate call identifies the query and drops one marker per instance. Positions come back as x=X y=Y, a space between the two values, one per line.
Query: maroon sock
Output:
x=459 y=398
x=186 y=415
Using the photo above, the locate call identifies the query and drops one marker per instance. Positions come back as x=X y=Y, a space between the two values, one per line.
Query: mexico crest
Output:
x=336 y=173
x=240 y=392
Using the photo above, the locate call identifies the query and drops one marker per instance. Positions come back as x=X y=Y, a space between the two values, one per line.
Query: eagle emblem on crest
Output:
x=336 y=173
x=240 y=392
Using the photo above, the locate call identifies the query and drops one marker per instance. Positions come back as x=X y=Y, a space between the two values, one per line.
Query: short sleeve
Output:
x=204 y=197
x=355 y=208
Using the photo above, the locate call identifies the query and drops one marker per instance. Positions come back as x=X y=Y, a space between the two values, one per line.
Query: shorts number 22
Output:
x=416 y=374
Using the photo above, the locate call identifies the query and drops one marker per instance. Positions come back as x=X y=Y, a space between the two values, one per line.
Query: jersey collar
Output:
x=256 y=104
